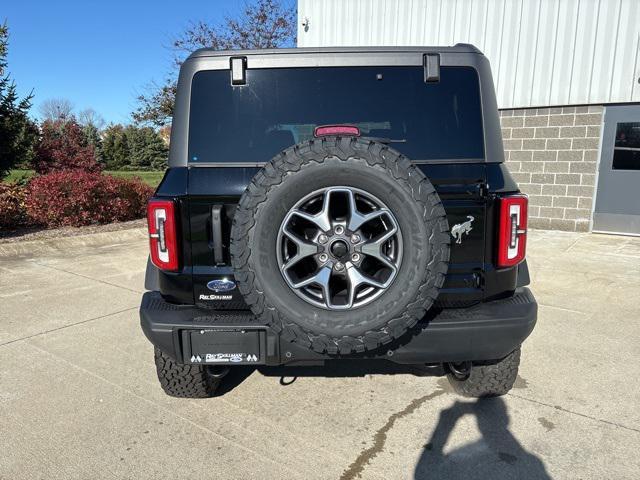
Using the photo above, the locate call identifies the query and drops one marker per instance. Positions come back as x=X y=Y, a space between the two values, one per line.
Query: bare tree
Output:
x=89 y=117
x=260 y=24
x=56 y=109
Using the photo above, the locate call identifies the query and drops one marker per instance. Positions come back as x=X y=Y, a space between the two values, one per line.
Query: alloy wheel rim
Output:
x=339 y=248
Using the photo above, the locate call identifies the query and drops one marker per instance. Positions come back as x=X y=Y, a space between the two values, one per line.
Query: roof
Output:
x=457 y=48
x=459 y=55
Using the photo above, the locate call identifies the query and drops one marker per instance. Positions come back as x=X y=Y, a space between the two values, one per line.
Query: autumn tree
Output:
x=18 y=133
x=260 y=24
x=64 y=147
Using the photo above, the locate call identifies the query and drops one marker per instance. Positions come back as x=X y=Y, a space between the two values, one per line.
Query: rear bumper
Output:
x=487 y=331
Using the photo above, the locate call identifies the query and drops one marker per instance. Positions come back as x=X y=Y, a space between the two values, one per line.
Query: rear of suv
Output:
x=327 y=206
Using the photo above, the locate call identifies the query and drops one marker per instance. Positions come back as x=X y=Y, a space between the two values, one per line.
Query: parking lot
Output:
x=79 y=397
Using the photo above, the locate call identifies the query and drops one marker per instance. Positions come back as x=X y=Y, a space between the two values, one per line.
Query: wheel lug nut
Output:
x=355 y=238
x=322 y=238
x=339 y=229
x=355 y=257
x=323 y=257
x=339 y=266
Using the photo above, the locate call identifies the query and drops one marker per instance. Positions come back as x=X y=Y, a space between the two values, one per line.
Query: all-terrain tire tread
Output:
x=490 y=380
x=376 y=155
x=184 y=381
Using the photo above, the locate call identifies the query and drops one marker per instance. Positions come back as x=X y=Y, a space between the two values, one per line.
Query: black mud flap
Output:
x=215 y=346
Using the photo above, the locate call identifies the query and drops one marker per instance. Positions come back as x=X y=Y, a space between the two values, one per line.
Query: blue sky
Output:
x=98 y=54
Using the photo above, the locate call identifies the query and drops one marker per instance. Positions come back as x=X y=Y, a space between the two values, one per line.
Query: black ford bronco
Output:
x=337 y=205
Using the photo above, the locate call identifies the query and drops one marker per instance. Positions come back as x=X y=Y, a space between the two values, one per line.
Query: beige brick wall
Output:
x=552 y=153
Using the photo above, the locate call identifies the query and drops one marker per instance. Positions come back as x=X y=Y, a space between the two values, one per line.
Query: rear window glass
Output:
x=280 y=107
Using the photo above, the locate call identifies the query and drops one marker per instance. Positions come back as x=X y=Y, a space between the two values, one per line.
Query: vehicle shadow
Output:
x=497 y=455
x=233 y=379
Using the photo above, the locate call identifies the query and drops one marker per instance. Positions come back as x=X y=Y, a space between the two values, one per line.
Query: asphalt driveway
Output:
x=79 y=397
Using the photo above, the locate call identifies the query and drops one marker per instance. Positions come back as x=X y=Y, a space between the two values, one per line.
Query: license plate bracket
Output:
x=216 y=346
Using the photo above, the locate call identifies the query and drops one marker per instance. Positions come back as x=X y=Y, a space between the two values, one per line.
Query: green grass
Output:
x=16 y=175
x=150 y=178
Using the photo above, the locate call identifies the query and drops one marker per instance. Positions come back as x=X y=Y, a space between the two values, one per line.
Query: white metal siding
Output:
x=542 y=52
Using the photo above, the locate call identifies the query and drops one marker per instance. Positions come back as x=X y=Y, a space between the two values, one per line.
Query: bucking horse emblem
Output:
x=462 y=228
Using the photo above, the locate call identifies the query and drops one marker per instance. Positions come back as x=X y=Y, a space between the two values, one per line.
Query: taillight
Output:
x=512 y=231
x=163 y=238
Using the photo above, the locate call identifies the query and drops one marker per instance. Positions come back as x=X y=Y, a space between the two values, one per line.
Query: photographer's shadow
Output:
x=497 y=455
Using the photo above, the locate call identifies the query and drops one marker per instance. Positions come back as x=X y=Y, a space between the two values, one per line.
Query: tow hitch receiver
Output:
x=223 y=346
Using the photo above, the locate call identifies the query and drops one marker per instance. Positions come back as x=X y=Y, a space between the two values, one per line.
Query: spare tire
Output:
x=340 y=244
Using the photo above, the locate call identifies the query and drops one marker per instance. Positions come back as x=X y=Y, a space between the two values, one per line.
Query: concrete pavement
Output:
x=79 y=397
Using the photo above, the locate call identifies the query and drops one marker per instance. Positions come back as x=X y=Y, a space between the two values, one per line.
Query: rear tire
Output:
x=491 y=380
x=184 y=381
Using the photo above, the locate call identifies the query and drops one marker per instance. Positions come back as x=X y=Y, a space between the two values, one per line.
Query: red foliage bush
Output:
x=63 y=147
x=13 y=212
x=77 y=198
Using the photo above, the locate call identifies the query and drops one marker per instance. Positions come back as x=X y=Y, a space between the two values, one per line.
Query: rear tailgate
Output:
x=210 y=216
x=462 y=188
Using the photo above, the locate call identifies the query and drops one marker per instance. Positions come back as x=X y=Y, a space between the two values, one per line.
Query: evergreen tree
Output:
x=108 y=142
x=157 y=150
x=92 y=123
x=135 y=139
x=133 y=148
x=115 y=148
x=18 y=134
x=92 y=139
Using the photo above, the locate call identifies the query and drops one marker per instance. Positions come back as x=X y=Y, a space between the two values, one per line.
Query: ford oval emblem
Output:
x=222 y=285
